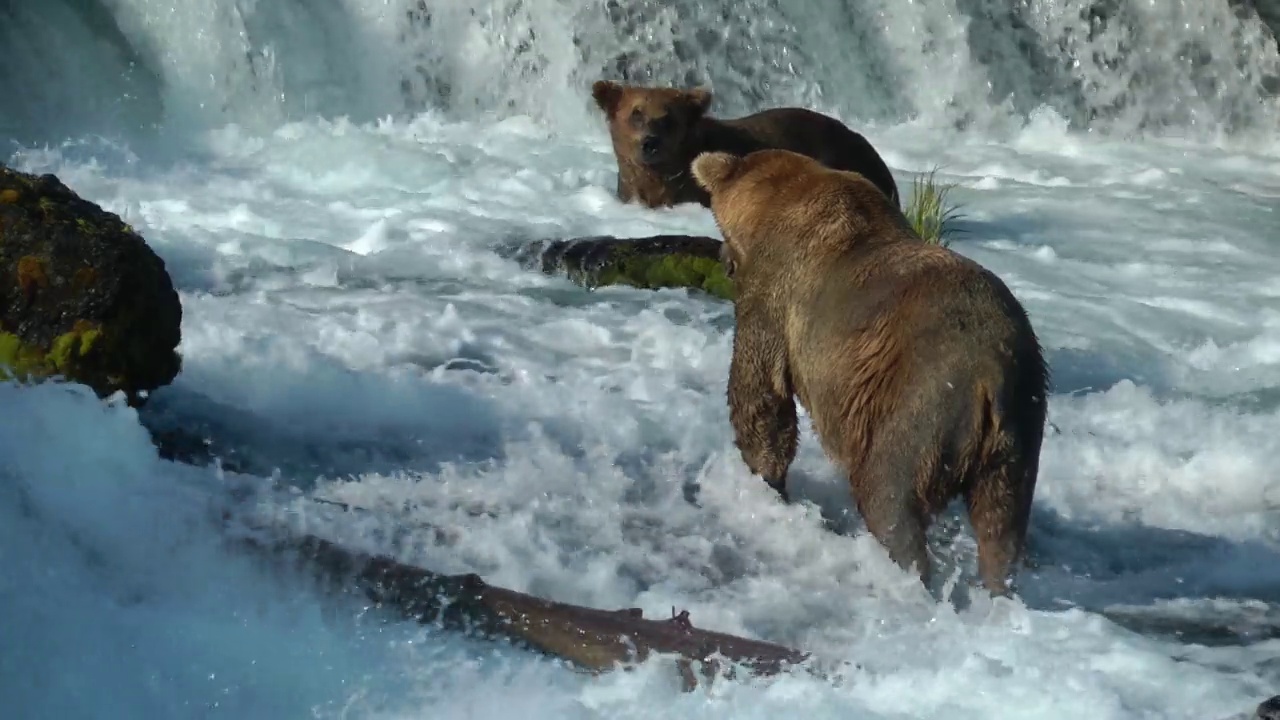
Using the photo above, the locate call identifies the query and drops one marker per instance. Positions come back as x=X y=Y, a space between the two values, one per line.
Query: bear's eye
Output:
x=637 y=118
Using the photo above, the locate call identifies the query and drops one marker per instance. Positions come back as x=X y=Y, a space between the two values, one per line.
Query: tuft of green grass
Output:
x=928 y=211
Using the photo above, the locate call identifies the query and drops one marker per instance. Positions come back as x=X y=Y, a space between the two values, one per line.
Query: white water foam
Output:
x=344 y=313
x=348 y=329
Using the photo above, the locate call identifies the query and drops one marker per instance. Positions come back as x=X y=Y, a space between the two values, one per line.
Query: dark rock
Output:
x=1268 y=710
x=1268 y=11
x=82 y=295
x=656 y=261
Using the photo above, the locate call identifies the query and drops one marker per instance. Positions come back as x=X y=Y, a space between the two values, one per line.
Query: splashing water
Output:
x=1183 y=67
x=326 y=180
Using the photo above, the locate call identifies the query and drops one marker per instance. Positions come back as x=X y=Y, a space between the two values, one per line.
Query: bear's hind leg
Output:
x=999 y=504
x=899 y=525
x=891 y=482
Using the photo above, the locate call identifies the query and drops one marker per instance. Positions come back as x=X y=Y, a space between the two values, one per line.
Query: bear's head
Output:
x=764 y=195
x=775 y=201
x=651 y=126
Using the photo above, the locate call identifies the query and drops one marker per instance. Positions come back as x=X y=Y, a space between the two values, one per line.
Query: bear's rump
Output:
x=886 y=361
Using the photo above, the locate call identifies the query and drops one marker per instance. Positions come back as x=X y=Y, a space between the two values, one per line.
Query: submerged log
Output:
x=655 y=261
x=589 y=639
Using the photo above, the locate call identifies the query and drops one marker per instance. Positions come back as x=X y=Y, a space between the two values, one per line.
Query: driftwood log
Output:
x=588 y=639
x=654 y=261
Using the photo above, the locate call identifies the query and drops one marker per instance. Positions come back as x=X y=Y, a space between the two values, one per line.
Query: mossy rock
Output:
x=655 y=261
x=82 y=296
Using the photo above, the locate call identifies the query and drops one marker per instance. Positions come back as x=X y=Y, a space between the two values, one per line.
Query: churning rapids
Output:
x=326 y=180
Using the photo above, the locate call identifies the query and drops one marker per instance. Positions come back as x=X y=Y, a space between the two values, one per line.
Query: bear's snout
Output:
x=650 y=148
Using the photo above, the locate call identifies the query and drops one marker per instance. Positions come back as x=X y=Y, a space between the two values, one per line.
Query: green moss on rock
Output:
x=63 y=356
x=17 y=359
x=72 y=347
x=668 y=271
x=86 y=298
x=657 y=261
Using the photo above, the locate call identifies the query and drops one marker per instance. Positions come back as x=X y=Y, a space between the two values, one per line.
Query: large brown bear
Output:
x=657 y=132
x=919 y=368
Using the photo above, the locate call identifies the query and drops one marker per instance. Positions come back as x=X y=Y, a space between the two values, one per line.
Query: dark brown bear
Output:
x=657 y=132
x=920 y=369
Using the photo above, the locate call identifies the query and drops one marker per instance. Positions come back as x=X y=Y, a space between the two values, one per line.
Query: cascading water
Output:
x=1190 y=67
x=349 y=330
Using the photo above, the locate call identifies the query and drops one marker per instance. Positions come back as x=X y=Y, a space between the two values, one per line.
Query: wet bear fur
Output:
x=657 y=132
x=919 y=368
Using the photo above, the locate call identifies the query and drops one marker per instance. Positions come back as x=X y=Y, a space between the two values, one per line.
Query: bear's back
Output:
x=914 y=288
x=901 y=311
x=808 y=132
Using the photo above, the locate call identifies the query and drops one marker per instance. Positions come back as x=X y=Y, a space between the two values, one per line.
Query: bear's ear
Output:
x=712 y=169
x=699 y=100
x=606 y=94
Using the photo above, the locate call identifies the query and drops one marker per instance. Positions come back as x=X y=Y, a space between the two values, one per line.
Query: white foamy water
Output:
x=349 y=333
x=344 y=313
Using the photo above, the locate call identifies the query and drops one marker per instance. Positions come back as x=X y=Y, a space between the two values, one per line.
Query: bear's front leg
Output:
x=761 y=407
